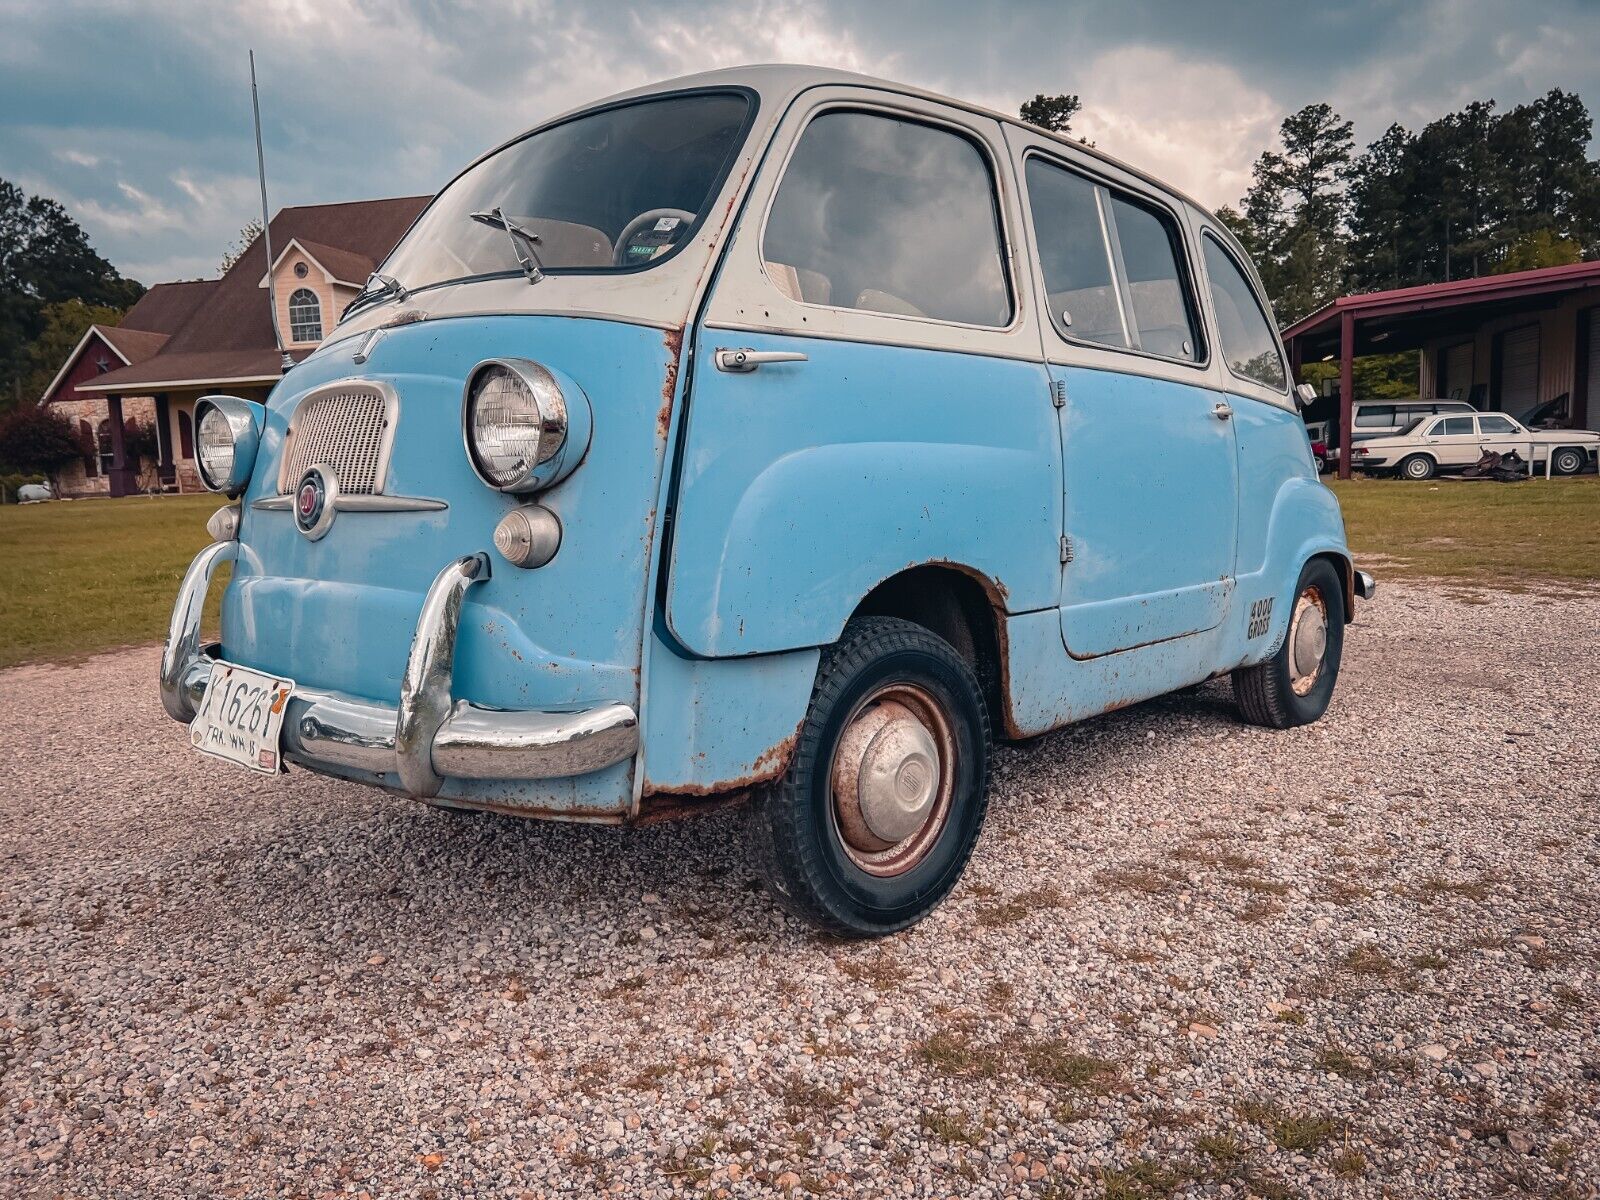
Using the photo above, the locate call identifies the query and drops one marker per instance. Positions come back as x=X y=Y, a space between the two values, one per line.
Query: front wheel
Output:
x=1294 y=686
x=1567 y=461
x=873 y=822
x=1418 y=466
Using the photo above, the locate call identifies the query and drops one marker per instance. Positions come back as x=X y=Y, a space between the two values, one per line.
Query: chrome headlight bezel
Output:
x=243 y=421
x=558 y=406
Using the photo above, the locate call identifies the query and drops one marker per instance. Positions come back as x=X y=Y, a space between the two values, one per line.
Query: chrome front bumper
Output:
x=426 y=738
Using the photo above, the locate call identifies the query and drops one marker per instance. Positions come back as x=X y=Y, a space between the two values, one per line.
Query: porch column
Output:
x=166 y=469
x=1347 y=387
x=124 y=479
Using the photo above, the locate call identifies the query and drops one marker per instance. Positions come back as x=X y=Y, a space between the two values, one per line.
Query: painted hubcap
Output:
x=892 y=779
x=1308 y=640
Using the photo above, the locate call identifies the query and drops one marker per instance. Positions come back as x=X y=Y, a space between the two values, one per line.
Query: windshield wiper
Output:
x=387 y=285
x=519 y=237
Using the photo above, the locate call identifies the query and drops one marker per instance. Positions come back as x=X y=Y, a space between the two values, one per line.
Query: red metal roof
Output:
x=1458 y=292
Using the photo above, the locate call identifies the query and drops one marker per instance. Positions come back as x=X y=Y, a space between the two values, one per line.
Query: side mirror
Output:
x=1304 y=395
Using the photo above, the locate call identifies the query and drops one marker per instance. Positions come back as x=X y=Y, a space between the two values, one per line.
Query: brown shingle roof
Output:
x=135 y=345
x=229 y=336
x=348 y=266
x=166 y=306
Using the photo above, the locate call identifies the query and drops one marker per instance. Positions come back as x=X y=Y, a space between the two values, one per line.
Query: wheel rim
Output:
x=892 y=779
x=1567 y=462
x=1308 y=640
x=1417 y=469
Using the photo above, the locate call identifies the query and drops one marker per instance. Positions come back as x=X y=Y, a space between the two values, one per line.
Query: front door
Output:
x=866 y=394
x=1150 y=469
x=1453 y=441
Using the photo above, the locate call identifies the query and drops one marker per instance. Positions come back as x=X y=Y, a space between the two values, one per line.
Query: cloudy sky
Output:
x=136 y=115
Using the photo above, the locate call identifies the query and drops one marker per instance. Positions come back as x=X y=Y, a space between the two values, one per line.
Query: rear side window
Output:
x=1111 y=266
x=1248 y=343
x=889 y=216
x=1368 y=416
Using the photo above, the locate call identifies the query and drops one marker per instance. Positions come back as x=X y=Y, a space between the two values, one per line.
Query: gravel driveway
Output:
x=1189 y=958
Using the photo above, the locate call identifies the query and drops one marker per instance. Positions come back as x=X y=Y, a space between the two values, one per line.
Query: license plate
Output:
x=241 y=717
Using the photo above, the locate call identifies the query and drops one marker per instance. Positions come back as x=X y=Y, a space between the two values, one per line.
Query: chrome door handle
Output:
x=1221 y=411
x=743 y=360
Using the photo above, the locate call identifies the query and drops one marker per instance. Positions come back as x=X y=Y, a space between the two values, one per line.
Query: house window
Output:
x=91 y=457
x=186 y=435
x=305 y=316
x=103 y=445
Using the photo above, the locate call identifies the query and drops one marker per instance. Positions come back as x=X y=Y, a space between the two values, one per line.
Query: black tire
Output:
x=1265 y=692
x=1417 y=467
x=795 y=835
x=1567 y=460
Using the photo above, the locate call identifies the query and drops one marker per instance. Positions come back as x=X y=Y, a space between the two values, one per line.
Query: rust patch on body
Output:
x=673 y=340
x=769 y=765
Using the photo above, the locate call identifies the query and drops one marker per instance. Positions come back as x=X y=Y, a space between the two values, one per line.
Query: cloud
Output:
x=1196 y=125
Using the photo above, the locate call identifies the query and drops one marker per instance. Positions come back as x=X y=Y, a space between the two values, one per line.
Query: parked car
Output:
x=774 y=433
x=1431 y=445
x=1383 y=418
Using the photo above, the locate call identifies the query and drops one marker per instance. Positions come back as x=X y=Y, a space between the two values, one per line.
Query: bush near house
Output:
x=39 y=440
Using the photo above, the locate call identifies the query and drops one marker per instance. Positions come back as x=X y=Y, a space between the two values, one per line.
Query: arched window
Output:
x=305 y=316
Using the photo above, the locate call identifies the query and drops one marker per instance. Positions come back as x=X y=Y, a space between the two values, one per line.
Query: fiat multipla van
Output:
x=776 y=435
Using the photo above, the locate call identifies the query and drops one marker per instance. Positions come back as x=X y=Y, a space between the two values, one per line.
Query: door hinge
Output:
x=1066 y=549
x=1058 y=393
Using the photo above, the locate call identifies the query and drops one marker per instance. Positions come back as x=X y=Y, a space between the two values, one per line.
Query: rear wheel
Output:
x=1567 y=460
x=1418 y=466
x=1294 y=686
x=886 y=790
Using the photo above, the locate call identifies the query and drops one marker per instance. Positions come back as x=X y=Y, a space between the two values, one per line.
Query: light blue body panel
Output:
x=1286 y=516
x=715 y=725
x=1151 y=480
x=338 y=614
x=804 y=485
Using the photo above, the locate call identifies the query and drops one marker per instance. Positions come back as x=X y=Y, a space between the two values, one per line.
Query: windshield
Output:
x=613 y=190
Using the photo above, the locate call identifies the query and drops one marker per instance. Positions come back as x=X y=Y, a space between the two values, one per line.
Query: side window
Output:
x=1368 y=416
x=890 y=216
x=1456 y=426
x=1248 y=342
x=1495 y=424
x=1079 y=277
x=1151 y=251
x=1110 y=265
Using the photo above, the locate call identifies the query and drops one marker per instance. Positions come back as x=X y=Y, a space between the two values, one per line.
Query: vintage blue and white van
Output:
x=778 y=434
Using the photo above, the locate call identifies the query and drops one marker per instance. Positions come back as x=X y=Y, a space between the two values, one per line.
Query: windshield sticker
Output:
x=666 y=224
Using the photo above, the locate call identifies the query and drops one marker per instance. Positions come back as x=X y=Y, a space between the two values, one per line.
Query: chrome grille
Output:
x=346 y=429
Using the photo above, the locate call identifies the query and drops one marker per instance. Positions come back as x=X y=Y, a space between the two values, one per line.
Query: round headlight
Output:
x=227 y=433
x=524 y=427
x=215 y=449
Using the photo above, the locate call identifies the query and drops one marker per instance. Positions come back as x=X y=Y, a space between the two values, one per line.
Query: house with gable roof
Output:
x=185 y=340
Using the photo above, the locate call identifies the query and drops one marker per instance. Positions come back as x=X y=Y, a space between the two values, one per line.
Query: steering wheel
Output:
x=634 y=227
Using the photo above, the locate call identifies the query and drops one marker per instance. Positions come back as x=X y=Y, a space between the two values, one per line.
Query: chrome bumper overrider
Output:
x=1366 y=585
x=426 y=739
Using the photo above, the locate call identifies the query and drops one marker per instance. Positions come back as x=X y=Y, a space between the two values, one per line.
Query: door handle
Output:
x=1221 y=410
x=743 y=360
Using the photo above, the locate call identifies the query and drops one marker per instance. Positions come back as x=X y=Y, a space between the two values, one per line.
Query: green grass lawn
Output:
x=1487 y=534
x=87 y=575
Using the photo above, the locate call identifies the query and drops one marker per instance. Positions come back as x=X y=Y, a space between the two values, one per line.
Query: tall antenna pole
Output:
x=266 y=220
